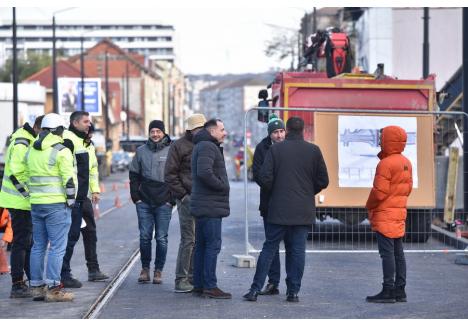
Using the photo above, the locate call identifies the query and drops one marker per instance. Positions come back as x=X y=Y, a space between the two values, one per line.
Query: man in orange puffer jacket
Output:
x=386 y=207
x=5 y=227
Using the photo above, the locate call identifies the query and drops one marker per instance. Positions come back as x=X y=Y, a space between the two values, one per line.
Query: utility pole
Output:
x=106 y=67
x=465 y=105
x=54 y=68
x=426 y=43
x=15 y=75
x=83 y=108
x=127 y=99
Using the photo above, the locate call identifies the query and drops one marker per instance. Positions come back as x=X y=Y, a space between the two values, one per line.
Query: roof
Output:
x=131 y=57
x=64 y=69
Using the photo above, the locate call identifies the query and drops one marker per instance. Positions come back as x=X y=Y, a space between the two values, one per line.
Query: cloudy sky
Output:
x=214 y=37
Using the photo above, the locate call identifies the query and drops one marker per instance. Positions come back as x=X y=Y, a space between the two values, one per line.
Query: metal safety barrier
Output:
x=436 y=221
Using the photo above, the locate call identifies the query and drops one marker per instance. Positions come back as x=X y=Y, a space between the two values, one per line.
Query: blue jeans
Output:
x=51 y=223
x=151 y=218
x=274 y=273
x=207 y=248
x=294 y=237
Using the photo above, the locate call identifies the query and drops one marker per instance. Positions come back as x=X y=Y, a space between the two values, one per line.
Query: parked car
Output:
x=120 y=161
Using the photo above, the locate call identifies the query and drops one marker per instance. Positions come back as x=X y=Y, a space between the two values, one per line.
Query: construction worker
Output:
x=14 y=196
x=75 y=138
x=89 y=231
x=51 y=184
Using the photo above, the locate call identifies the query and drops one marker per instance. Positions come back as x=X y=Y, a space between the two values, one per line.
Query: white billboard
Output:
x=69 y=95
x=358 y=146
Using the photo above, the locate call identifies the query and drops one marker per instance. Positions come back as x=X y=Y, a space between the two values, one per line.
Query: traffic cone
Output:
x=4 y=268
x=117 y=202
x=97 y=213
x=114 y=187
x=102 y=187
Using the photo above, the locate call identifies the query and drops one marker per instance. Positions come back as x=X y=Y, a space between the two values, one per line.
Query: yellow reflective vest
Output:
x=93 y=170
x=50 y=171
x=14 y=192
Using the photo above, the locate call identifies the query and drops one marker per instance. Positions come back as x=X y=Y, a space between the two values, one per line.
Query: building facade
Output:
x=154 y=41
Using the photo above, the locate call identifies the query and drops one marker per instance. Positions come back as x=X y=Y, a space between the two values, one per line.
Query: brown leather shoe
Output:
x=216 y=293
x=157 y=277
x=144 y=275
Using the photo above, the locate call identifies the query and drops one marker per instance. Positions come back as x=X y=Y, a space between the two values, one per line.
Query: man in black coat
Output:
x=209 y=204
x=276 y=134
x=294 y=172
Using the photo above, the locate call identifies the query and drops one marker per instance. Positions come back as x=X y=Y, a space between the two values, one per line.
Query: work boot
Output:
x=216 y=293
x=97 y=276
x=270 y=289
x=58 y=294
x=183 y=286
x=387 y=295
x=38 y=292
x=20 y=290
x=292 y=297
x=157 y=277
x=400 y=294
x=251 y=295
x=144 y=275
x=71 y=283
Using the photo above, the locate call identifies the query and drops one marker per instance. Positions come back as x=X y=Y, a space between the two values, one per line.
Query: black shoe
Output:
x=251 y=295
x=387 y=295
x=20 y=290
x=71 y=283
x=292 y=297
x=270 y=289
x=97 y=276
x=400 y=294
x=197 y=292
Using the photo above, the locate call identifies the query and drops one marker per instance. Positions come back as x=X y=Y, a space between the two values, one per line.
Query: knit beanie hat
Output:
x=274 y=123
x=156 y=124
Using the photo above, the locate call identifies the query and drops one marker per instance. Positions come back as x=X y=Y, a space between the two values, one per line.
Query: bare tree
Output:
x=283 y=44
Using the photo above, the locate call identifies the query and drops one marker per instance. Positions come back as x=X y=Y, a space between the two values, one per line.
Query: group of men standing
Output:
x=191 y=173
x=49 y=184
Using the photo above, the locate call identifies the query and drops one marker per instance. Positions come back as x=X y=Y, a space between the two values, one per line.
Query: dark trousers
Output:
x=393 y=261
x=21 y=224
x=274 y=273
x=207 y=248
x=81 y=210
x=89 y=236
x=294 y=237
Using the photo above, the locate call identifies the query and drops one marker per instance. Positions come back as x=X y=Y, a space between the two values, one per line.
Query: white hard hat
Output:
x=52 y=121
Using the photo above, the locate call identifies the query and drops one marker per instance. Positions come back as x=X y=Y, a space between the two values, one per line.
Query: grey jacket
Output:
x=147 y=173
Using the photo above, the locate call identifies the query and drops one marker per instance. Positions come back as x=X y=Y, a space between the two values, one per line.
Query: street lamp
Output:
x=15 y=75
x=54 y=60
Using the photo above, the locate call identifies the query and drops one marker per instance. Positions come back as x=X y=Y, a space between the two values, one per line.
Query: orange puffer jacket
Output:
x=393 y=183
x=5 y=222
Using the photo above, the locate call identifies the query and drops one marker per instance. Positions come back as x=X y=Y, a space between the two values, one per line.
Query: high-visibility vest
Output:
x=14 y=193
x=93 y=170
x=81 y=163
x=52 y=177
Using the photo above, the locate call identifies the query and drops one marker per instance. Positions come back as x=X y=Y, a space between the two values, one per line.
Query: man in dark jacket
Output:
x=294 y=172
x=178 y=175
x=152 y=198
x=209 y=204
x=276 y=134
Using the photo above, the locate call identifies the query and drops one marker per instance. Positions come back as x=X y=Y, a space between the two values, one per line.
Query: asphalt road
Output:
x=334 y=284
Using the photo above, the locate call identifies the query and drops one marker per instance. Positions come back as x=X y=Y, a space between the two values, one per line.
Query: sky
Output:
x=215 y=37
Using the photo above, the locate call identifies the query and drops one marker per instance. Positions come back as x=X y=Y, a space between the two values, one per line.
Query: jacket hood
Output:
x=165 y=141
x=46 y=139
x=204 y=135
x=25 y=132
x=393 y=141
